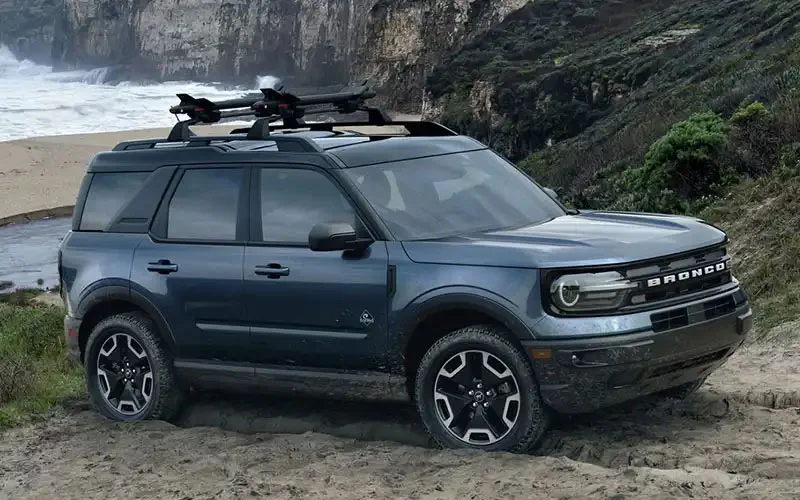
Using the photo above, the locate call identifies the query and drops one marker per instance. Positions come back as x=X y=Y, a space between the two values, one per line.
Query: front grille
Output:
x=667 y=281
x=697 y=313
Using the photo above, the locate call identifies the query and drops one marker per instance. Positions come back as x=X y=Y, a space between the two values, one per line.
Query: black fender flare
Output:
x=120 y=290
x=454 y=298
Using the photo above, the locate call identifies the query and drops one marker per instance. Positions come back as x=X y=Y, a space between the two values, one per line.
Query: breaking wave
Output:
x=35 y=100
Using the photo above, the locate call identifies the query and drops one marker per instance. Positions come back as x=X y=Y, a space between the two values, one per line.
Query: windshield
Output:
x=448 y=195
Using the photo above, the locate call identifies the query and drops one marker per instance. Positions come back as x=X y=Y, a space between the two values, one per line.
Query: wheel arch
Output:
x=105 y=301
x=432 y=317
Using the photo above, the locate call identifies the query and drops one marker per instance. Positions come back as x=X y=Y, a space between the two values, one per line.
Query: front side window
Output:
x=294 y=200
x=454 y=194
x=205 y=205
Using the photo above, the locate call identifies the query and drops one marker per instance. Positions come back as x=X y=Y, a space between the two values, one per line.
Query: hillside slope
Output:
x=602 y=79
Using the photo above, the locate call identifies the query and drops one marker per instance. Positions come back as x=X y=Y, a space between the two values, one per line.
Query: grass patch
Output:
x=35 y=374
x=761 y=217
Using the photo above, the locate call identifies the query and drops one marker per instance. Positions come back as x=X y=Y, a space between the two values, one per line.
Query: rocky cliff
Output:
x=27 y=26
x=394 y=43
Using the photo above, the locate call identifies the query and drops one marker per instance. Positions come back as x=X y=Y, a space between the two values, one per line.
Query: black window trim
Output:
x=158 y=229
x=83 y=193
x=256 y=237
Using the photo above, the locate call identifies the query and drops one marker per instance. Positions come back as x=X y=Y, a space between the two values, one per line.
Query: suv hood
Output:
x=588 y=239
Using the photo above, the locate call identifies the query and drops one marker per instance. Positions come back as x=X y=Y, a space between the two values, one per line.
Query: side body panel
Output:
x=203 y=302
x=509 y=295
x=90 y=261
x=328 y=311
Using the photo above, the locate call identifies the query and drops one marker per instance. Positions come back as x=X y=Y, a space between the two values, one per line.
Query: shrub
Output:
x=17 y=377
x=754 y=112
x=680 y=167
x=790 y=158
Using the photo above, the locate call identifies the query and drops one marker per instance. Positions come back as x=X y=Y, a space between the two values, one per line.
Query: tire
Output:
x=683 y=391
x=451 y=367
x=159 y=395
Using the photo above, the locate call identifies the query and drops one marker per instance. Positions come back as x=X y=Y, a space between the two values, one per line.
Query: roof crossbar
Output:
x=276 y=104
x=285 y=143
x=272 y=105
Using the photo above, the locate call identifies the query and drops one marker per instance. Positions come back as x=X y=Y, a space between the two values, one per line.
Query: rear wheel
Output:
x=129 y=373
x=475 y=389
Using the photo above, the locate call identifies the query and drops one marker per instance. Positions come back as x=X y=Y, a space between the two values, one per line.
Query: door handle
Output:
x=163 y=266
x=273 y=271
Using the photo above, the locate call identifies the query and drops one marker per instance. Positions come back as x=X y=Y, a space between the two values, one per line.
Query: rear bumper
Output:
x=588 y=374
x=72 y=327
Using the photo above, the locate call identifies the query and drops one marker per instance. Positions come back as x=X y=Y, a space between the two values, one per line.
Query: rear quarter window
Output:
x=108 y=194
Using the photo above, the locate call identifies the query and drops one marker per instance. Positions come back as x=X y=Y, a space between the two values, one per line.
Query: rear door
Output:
x=306 y=308
x=191 y=265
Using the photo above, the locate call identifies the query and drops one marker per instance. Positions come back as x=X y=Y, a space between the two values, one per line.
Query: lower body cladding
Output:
x=578 y=376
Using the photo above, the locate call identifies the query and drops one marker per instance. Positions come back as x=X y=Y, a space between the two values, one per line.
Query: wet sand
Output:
x=738 y=437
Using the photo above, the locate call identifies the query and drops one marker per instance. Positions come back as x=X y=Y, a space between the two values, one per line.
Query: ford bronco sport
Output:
x=417 y=265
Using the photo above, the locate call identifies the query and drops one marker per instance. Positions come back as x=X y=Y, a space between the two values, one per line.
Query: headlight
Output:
x=590 y=292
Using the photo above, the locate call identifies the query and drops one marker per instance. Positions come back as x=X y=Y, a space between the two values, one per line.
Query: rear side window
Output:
x=205 y=205
x=108 y=194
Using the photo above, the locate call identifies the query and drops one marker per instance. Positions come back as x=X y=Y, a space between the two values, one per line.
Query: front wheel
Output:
x=475 y=389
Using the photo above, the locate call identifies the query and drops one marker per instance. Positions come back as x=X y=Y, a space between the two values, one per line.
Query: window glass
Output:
x=293 y=201
x=454 y=194
x=205 y=205
x=108 y=194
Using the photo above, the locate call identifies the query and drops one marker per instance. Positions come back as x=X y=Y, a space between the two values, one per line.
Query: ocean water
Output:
x=37 y=101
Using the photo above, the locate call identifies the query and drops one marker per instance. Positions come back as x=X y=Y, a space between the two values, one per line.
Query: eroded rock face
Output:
x=405 y=39
x=394 y=43
x=27 y=26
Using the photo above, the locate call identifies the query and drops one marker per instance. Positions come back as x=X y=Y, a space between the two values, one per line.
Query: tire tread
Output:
x=493 y=336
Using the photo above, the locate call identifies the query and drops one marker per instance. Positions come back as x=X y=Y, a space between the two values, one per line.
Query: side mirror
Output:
x=551 y=192
x=335 y=236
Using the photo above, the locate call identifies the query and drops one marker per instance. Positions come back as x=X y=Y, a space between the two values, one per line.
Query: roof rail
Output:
x=259 y=131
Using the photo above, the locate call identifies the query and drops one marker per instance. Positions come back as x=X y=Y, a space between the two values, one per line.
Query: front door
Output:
x=306 y=308
x=191 y=265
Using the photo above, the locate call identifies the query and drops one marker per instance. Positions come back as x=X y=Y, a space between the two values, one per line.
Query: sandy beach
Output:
x=44 y=173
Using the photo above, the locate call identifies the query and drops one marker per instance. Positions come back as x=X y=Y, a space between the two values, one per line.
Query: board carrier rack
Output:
x=272 y=105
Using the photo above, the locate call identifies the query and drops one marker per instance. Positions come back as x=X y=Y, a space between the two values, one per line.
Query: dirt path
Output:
x=737 y=438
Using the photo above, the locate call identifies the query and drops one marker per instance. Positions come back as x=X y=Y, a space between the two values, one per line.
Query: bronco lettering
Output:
x=683 y=276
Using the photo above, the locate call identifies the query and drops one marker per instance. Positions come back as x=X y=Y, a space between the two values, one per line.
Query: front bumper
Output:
x=72 y=327
x=583 y=375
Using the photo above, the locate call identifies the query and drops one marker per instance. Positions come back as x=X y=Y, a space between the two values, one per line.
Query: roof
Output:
x=350 y=151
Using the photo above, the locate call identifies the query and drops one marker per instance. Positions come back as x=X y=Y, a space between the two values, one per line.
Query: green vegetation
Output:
x=761 y=217
x=35 y=374
x=601 y=89
x=679 y=168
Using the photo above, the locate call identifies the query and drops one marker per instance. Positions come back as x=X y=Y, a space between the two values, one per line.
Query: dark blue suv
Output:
x=419 y=266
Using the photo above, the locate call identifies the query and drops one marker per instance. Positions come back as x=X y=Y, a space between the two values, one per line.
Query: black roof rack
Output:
x=272 y=105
